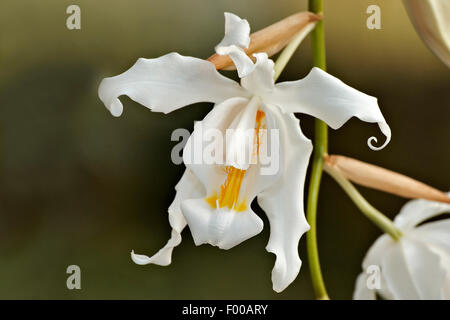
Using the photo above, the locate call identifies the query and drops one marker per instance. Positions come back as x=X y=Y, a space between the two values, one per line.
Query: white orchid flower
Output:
x=417 y=266
x=214 y=199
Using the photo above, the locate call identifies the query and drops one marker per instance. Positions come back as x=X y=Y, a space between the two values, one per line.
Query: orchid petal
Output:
x=445 y=263
x=237 y=32
x=426 y=270
x=244 y=65
x=413 y=271
x=325 y=97
x=237 y=37
x=398 y=277
x=374 y=257
x=240 y=136
x=168 y=83
x=437 y=237
x=235 y=120
x=283 y=201
x=437 y=233
x=223 y=226
x=425 y=266
x=188 y=187
x=362 y=291
x=417 y=211
x=220 y=227
x=444 y=255
x=260 y=80
x=220 y=118
x=377 y=250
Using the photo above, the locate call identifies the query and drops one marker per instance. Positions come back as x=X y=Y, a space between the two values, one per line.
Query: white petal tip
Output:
x=386 y=131
x=307 y=228
x=139 y=258
x=223 y=228
x=372 y=140
x=278 y=288
x=279 y=285
x=116 y=108
x=237 y=30
x=281 y=279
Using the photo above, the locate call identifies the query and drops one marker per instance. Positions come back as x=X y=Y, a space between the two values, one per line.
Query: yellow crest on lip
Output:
x=229 y=191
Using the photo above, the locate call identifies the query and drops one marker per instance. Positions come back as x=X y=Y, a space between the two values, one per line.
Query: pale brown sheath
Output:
x=375 y=177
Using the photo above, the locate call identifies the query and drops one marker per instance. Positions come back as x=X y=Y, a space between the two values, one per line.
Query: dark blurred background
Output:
x=78 y=186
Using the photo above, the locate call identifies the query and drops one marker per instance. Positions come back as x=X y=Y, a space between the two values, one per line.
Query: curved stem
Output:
x=287 y=52
x=320 y=148
x=366 y=208
x=311 y=236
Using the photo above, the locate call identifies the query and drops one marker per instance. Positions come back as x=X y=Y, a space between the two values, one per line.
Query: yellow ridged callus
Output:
x=229 y=191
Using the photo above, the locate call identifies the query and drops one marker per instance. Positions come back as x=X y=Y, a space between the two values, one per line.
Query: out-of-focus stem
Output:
x=287 y=52
x=366 y=208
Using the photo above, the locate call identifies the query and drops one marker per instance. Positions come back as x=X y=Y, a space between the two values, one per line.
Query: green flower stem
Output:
x=366 y=208
x=287 y=52
x=320 y=149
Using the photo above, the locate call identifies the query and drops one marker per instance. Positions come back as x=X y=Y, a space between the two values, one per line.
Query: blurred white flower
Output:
x=431 y=19
x=214 y=200
x=417 y=266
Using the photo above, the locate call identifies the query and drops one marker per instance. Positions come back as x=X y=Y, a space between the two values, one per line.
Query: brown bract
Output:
x=375 y=177
x=270 y=39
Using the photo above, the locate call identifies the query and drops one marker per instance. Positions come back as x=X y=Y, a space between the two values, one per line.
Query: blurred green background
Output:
x=78 y=186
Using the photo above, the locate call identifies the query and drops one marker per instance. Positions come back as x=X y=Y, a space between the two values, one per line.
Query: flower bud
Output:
x=431 y=18
x=375 y=177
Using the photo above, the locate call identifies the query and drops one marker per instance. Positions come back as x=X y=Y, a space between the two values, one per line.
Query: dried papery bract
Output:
x=431 y=19
x=375 y=177
x=270 y=39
